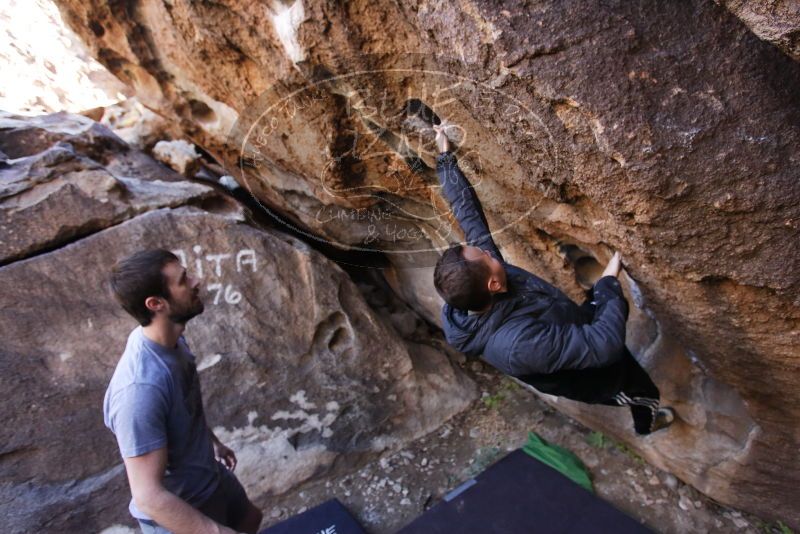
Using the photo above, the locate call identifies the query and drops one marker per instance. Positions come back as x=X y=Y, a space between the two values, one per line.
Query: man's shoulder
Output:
x=518 y=274
x=521 y=281
x=507 y=329
x=139 y=365
x=139 y=379
x=498 y=346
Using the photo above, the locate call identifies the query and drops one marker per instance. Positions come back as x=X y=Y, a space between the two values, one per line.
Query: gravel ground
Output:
x=393 y=489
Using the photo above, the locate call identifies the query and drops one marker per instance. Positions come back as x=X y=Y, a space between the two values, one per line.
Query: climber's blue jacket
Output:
x=534 y=331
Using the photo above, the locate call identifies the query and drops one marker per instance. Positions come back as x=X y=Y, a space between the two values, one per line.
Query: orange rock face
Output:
x=666 y=131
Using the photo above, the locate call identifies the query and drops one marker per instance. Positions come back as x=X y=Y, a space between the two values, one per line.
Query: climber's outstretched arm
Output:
x=462 y=198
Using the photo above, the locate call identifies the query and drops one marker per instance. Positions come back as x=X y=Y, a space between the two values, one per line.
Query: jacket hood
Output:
x=469 y=333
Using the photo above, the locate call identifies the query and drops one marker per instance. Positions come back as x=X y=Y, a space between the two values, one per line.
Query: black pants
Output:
x=623 y=383
x=227 y=505
x=636 y=389
x=640 y=393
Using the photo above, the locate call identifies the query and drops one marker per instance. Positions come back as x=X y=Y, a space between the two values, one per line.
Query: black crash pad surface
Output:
x=520 y=495
x=329 y=517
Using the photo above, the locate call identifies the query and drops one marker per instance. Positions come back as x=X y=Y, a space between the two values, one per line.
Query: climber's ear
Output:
x=495 y=284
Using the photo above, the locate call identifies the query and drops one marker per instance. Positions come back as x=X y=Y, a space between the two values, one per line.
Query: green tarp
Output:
x=560 y=459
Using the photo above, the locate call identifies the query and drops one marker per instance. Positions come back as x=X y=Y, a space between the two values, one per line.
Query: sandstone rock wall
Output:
x=777 y=22
x=300 y=376
x=665 y=130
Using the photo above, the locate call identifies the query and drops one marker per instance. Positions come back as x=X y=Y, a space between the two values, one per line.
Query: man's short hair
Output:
x=139 y=276
x=460 y=282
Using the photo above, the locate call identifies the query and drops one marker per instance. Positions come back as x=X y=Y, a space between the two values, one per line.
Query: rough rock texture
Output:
x=299 y=375
x=775 y=21
x=180 y=155
x=52 y=192
x=137 y=125
x=665 y=130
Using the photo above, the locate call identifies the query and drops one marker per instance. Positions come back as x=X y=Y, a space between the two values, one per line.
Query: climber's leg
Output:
x=644 y=412
x=641 y=394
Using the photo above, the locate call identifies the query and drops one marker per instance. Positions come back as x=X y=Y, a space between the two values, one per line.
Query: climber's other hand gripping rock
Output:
x=614 y=265
x=442 y=142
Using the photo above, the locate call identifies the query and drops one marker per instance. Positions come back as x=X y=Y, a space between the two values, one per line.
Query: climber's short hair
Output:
x=139 y=276
x=460 y=282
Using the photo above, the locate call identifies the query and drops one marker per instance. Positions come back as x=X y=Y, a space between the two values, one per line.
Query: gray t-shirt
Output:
x=154 y=401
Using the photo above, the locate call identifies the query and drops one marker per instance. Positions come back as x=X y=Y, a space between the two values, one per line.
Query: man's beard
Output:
x=182 y=316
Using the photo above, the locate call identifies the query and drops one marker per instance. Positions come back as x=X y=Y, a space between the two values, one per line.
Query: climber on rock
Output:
x=529 y=329
x=180 y=474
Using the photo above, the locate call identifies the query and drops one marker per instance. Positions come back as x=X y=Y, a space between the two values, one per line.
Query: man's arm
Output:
x=547 y=348
x=166 y=509
x=462 y=198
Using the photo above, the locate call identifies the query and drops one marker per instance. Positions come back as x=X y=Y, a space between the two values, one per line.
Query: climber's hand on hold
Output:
x=614 y=265
x=442 y=142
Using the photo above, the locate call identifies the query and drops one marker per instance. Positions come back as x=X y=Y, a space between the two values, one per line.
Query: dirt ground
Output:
x=395 y=488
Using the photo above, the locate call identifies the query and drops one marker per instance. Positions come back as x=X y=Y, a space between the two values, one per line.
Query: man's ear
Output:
x=154 y=304
x=494 y=284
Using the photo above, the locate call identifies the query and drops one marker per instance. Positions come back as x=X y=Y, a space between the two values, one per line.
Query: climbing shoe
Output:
x=664 y=418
